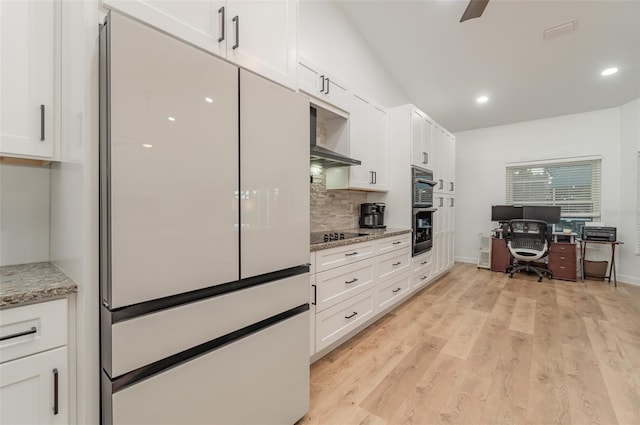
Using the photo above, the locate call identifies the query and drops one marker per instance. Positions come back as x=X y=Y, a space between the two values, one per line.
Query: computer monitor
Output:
x=548 y=214
x=504 y=213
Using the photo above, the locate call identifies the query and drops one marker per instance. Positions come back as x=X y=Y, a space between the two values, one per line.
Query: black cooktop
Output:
x=321 y=237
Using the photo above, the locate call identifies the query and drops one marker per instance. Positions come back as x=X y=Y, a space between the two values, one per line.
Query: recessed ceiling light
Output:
x=147 y=145
x=208 y=100
x=609 y=71
x=171 y=119
x=482 y=99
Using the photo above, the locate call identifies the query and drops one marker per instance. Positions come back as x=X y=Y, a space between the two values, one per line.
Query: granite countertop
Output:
x=371 y=234
x=31 y=283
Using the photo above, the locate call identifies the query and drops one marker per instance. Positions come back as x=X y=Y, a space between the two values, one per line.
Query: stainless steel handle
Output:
x=351 y=253
x=441 y=184
x=315 y=295
x=425 y=158
x=18 y=334
x=450 y=186
x=397 y=242
x=423 y=278
x=348 y=282
x=351 y=315
x=370 y=177
x=441 y=201
x=222 y=29
x=397 y=289
x=397 y=264
x=322 y=89
x=41 y=123
x=55 y=391
x=375 y=177
x=423 y=263
x=452 y=202
x=236 y=19
x=328 y=82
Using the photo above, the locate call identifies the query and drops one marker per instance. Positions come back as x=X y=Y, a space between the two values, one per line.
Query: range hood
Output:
x=322 y=156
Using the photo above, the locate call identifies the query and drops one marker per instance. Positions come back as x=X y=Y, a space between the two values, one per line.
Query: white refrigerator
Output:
x=204 y=236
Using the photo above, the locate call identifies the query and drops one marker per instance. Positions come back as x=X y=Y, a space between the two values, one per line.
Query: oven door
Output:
x=422 y=230
x=422 y=188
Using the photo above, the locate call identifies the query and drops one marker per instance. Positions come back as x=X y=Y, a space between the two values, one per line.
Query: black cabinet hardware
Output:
x=18 y=334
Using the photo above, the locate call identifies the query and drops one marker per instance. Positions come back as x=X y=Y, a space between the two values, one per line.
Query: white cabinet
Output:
x=444 y=169
x=28 y=80
x=444 y=222
x=34 y=374
x=421 y=140
x=369 y=142
x=325 y=88
x=258 y=35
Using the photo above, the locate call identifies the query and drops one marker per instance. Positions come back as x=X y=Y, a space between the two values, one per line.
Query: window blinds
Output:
x=572 y=185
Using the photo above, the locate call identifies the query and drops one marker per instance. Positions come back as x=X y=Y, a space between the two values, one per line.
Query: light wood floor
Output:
x=479 y=348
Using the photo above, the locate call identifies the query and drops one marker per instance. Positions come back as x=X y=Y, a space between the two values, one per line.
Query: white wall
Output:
x=628 y=261
x=328 y=40
x=24 y=214
x=482 y=155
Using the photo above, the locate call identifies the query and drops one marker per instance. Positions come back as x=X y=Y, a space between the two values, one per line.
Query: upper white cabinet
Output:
x=257 y=35
x=322 y=86
x=28 y=78
x=369 y=142
x=421 y=140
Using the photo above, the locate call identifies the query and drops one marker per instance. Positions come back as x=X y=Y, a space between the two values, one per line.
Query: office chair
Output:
x=528 y=242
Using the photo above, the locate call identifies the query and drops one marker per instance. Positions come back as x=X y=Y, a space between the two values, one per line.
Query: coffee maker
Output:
x=372 y=215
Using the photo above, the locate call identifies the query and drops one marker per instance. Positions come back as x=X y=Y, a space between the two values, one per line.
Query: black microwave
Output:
x=422 y=187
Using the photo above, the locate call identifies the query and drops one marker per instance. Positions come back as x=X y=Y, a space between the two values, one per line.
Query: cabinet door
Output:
x=173 y=166
x=451 y=162
x=416 y=138
x=27 y=102
x=262 y=37
x=196 y=21
x=379 y=148
x=426 y=156
x=336 y=93
x=274 y=176
x=360 y=176
x=28 y=389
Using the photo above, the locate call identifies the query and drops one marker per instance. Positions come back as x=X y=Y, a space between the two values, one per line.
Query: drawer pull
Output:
x=348 y=282
x=423 y=263
x=315 y=295
x=396 y=290
x=423 y=277
x=55 y=391
x=397 y=264
x=351 y=315
x=397 y=242
x=349 y=254
x=23 y=333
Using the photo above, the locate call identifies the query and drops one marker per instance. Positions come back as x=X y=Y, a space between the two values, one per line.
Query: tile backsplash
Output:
x=333 y=209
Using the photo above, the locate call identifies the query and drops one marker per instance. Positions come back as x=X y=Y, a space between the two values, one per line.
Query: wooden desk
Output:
x=612 y=267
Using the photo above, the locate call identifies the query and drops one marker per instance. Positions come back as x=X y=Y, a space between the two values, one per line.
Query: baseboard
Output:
x=472 y=260
x=629 y=279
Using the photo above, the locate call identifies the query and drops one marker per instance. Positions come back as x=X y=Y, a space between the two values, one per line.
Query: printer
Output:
x=605 y=234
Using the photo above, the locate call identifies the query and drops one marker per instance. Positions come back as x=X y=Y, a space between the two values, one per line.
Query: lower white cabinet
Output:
x=34 y=389
x=391 y=291
x=34 y=368
x=421 y=270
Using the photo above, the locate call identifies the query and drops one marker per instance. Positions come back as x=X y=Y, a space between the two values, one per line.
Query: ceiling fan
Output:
x=474 y=9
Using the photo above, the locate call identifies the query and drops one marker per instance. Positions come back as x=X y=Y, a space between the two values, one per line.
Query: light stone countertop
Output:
x=31 y=283
x=371 y=235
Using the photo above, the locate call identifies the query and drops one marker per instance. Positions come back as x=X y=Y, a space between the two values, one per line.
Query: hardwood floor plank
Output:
x=621 y=381
x=524 y=315
x=588 y=397
x=487 y=299
x=465 y=336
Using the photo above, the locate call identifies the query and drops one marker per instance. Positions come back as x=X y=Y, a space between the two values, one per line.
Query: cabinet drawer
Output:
x=33 y=328
x=340 y=319
x=393 y=263
x=338 y=284
x=421 y=262
x=560 y=247
x=390 y=292
x=421 y=277
x=568 y=258
x=563 y=271
x=393 y=243
x=334 y=257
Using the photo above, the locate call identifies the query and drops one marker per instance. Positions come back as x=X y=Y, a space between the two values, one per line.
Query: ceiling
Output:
x=443 y=65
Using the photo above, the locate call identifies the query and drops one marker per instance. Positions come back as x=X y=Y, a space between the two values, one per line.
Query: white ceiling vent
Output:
x=560 y=30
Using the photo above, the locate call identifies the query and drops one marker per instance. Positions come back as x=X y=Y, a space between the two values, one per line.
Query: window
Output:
x=572 y=184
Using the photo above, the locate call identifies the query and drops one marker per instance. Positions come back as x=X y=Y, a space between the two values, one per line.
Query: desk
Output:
x=612 y=269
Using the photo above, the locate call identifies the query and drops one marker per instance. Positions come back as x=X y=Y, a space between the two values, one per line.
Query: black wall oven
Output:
x=422 y=212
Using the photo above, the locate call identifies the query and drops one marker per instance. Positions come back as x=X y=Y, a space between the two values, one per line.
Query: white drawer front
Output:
x=312 y=316
x=340 y=319
x=393 y=263
x=338 y=284
x=394 y=243
x=339 y=256
x=421 y=262
x=43 y=326
x=392 y=291
x=312 y=262
x=421 y=278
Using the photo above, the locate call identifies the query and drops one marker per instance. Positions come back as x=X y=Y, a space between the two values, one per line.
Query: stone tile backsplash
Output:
x=333 y=209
